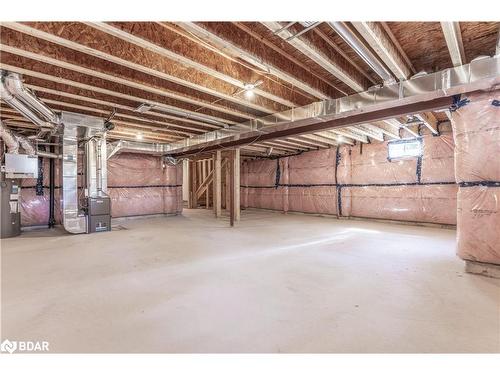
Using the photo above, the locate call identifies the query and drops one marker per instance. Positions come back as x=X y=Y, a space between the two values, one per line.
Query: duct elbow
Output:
x=15 y=86
x=13 y=92
x=28 y=146
x=10 y=139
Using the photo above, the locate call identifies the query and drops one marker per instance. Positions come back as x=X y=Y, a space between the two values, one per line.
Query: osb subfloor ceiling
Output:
x=194 y=77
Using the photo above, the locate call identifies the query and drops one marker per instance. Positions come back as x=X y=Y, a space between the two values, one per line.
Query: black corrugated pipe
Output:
x=52 y=178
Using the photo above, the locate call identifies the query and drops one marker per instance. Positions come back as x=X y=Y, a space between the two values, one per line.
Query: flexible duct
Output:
x=10 y=139
x=76 y=127
x=13 y=141
x=28 y=146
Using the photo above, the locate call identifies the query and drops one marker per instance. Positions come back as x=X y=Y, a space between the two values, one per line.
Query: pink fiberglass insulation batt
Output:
x=420 y=203
x=35 y=208
x=143 y=185
x=260 y=180
x=478 y=224
x=353 y=181
x=438 y=159
x=312 y=168
x=137 y=185
x=476 y=128
x=477 y=143
x=369 y=165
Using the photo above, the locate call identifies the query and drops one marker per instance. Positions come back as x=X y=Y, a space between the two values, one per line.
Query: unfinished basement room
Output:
x=250 y=187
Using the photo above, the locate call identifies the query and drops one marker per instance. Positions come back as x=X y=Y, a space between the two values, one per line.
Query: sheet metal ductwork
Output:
x=362 y=50
x=76 y=128
x=139 y=147
x=482 y=74
x=13 y=92
x=13 y=141
x=96 y=166
x=73 y=218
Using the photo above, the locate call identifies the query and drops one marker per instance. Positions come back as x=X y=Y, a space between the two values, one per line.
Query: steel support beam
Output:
x=286 y=130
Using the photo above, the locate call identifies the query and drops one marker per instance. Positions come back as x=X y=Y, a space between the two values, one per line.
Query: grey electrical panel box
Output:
x=99 y=214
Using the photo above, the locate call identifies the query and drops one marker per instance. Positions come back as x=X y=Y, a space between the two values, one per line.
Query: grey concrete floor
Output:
x=275 y=283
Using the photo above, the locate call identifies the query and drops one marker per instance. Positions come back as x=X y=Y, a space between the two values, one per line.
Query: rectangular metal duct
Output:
x=73 y=220
x=76 y=127
x=137 y=147
x=13 y=92
x=481 y=74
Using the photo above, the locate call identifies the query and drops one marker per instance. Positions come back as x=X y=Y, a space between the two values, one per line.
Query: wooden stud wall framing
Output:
x=208 y=188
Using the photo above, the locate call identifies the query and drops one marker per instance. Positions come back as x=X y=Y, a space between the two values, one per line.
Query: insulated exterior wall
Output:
x=312 y=182
x=360 y=181
x=418 y=203
x=35 y=208
x=438 y=158
x=261 y=190
x=143 y=185
x=137 y=185
x=369 y=165
x=477 y=169
x=407 y=189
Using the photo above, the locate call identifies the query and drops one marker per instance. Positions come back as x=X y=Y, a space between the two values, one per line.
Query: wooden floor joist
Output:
x=199 y=77
x=96 y=52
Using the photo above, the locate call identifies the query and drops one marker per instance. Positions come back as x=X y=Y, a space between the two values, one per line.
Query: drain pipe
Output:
x=362 y=50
